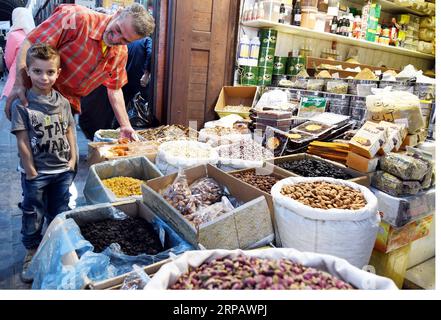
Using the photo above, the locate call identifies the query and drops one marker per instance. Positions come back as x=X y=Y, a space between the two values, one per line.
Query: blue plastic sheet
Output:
x=64 y=237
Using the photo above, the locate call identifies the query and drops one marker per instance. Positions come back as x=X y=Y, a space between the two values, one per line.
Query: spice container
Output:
x=315 y=84
x=353 y=85
x=279 y=65
x=338 y=103
x=294 y=65
x=300 y=83
x=309 y=17
x=337 y=87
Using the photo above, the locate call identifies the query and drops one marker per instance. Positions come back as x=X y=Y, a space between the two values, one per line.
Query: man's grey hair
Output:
x=143 y=22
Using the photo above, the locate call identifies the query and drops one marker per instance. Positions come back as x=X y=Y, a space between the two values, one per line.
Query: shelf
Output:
x=304 y=32
x=392 y=7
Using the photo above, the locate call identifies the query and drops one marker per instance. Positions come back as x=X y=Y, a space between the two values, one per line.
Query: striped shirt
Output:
x=76 y=32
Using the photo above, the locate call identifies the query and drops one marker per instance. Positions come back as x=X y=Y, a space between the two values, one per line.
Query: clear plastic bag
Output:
x=136 y=280
x=178 y=194
x=207 y=214
x=207 y=191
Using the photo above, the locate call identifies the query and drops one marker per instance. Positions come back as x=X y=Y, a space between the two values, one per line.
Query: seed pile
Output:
x=314 y=168
x=123 y=186
x=135 y=235
x=325 y=195
x=263 y=182
x=255 y=273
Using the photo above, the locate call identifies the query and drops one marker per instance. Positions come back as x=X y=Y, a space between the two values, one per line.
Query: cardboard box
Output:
x=411 y=140
x=133 y=208
x=235 y=96
x=358 y=177
x=100 y=151
x=392 y=265
x=398 y=211
x=395 y=133
x=390 y=238
x=135 y=167
x=241 y=228
x=273 y=171
x=362 y=164
x=368 y=140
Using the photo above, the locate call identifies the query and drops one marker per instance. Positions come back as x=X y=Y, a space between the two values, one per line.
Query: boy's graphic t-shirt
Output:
x=46 y=120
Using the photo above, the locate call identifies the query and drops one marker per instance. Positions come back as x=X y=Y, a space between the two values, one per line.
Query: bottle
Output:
x=244 y=50
x=282 y=13
x=255 y=13
x=347 y=27
x=254 y=51
x=394 y=32
x=356 y=30
x=297 y=12
x=339 y=26
x=334 y=24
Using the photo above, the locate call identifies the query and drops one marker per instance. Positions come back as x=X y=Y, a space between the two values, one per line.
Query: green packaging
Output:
x=268 y=37
x=294 y=65
x=265 y=76
x=279 y=65
x=248 y=75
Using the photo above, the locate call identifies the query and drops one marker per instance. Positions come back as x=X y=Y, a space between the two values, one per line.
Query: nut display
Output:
x=314 y=168
x=255 y=273
x=179 y=196
x=206 y=190
x=166 y=133
x=187 y=150
x=123 y=186
x=325 y=195
x=248 y=150
x=239 y=108
x=263 y=182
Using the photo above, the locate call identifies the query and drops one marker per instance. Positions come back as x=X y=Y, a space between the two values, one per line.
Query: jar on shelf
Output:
x=309 y=17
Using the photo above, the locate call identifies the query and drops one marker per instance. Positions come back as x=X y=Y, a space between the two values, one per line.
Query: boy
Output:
x=47 y=148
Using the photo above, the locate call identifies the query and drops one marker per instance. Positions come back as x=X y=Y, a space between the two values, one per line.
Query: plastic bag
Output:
x=178 y=194
x=426 y=34
x=393 y=185
x=427 y=22
x=395 y=106
x=136 y=280
x=206 y=191
x=404 y=166
x=218 y=136
x=140 y=113
x=272 y=98
x=207 y=214
x=425 y=47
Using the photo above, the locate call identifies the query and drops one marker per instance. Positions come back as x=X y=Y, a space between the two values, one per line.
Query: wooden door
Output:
x=202 y=42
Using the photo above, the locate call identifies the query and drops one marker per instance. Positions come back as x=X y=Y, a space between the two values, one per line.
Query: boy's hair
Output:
x=41 y=51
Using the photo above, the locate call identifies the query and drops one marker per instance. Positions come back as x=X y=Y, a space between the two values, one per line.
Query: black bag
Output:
x=140 y=113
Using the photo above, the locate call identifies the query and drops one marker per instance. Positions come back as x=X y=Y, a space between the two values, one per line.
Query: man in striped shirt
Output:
x=93 y=51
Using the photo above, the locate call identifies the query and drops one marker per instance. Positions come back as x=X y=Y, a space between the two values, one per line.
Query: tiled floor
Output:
x=11 y=249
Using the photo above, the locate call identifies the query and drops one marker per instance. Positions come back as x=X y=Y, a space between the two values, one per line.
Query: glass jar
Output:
x=309 y=17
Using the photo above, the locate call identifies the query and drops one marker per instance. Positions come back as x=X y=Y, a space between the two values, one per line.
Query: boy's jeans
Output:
x=45 y=196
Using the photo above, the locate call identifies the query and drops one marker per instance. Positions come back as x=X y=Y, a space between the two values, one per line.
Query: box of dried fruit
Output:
x=246 y=225
x=104 y=151
x=117 y=180
x=244 y=154
x=307 y=165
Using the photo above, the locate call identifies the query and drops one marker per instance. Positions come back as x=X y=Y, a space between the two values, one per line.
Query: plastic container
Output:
x=364 y=90
x=397 y=85
x=262 y=127
x=309 y=17
x=337 y=87
x=338 y=103
x=320 y=22
x=294 y=65
x=358 y=108
x=315 y=84
x=308 y=93
x=271 y=10
x=352 y=85
x=300 y=83
x=425 y=91
x=279 y=65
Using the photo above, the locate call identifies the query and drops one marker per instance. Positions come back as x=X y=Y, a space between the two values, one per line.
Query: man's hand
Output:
x=128 y=133
x=18 y=91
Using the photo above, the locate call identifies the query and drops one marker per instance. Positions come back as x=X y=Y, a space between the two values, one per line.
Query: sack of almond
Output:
x=326 y=215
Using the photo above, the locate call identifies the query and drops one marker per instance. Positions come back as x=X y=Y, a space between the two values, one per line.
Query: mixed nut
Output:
x=255 y=273
x=314 y=168
x=325 y=195
x=263 y=182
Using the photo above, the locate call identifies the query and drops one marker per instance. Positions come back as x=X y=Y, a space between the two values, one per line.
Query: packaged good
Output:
x=368 y=140
x=315 y=84
x=206 y=190
x=329 y=150
x=398 y=211
x=274 y=114
x=311 y=106
x=313 y=127
x=395 y=132
x=331 y=119
x=300 y=83
x=178 y=194
x=308 y=18
x=393 y=185
x=337 y=86
x=426 y=34
x=361 y=164
x=397 y=107
x=428 y=22
x=275 y=141
x=425 y=47
x=361 y=87
x=404 y=166
x=358 y=108
x=221 y=135
x=211 y=212
x=397 y=85
x=297 y=140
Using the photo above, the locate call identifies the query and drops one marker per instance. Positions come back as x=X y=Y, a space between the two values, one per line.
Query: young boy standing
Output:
x=46 y=145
